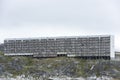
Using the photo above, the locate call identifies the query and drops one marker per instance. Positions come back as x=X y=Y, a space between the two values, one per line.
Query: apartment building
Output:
x=100 y=46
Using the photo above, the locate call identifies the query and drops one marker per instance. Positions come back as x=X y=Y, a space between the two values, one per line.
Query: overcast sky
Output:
x=45 y=18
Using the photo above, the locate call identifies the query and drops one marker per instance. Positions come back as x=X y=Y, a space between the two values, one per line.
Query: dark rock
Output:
x=16 y=64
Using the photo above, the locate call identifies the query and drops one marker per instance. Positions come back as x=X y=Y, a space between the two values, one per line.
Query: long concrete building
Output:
x=100 y=46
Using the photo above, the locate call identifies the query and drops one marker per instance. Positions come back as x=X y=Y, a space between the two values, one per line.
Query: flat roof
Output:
x=59 y=37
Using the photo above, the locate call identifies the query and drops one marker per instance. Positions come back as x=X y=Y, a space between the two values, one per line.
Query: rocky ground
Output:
x=44 y=68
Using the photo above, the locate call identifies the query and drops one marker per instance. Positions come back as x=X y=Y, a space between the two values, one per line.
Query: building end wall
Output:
x=112 y=50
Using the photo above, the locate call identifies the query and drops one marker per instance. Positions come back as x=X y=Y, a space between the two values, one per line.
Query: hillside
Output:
x=60 y=66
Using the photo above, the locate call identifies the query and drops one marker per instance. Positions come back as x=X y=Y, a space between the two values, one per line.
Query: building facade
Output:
x=80 y=46
x=2 y=47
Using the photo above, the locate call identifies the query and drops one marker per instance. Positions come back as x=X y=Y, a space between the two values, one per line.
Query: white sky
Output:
x=45 y=18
